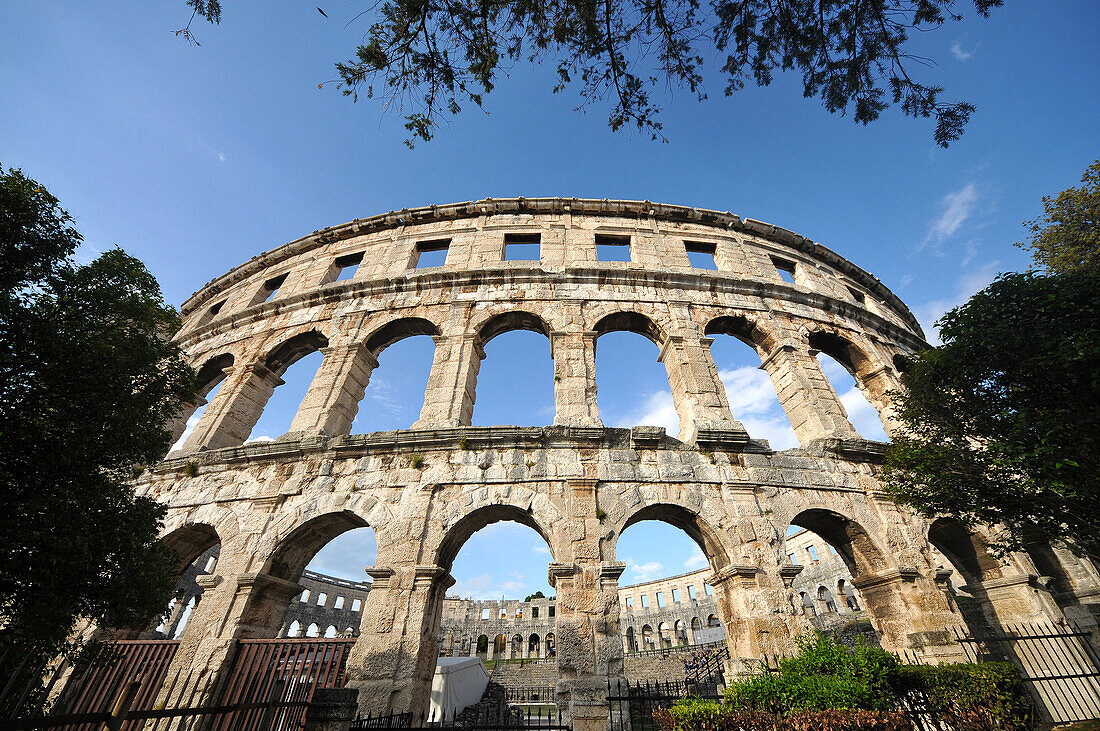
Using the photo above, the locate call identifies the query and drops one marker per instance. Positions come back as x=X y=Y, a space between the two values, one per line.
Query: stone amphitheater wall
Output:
x=272 y=506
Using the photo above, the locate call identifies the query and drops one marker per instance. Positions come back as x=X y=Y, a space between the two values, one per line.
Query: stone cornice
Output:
x=512 y=274
x=550 y=206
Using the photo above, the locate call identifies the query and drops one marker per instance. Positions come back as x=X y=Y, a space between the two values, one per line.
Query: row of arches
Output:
x=667 y=634
x=324 y=383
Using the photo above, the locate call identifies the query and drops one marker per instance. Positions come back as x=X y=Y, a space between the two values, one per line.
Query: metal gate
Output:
x=1059 y=666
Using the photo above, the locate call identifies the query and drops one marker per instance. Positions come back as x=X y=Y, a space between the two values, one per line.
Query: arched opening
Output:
x=633 y=387
x=1052 y=563
x=647 y=638
x=713 y=621
x=394 y=395
x=631 y=640
x=517 y=646
x=500 y=645
x=825 y=597
x=208 y=380
x=738 y=345
x=515 y=382
x=551 y=648
x=680 y=633
x=665 y=633
x=293 y=364
x=312 y=630
x=848 y=592
x=841 y=362
x=533 y=644
x=197 y=548
x=835 y=544
x=483 y=646
x=967 y=554
x=295 y=629
x=335 y=545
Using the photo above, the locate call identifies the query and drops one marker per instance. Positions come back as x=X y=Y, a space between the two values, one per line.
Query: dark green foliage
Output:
x=434 y=57
x=536 y=595
x=828 y=686
x=1003 y=420
x=824 y=674
x=986 y=696
x=88 y=378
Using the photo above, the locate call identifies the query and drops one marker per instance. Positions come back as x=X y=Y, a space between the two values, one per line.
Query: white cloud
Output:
x=537 y=548
x=966 y=286
x=753 y=402
x=646 y=571
x=261 y=438
x=382 y=393
x=656 y=409
x=485 y=587
x=221 y=157
x=955 y=208
x=959 y=54
x=696 y=560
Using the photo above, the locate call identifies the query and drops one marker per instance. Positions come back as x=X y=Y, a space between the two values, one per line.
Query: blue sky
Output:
x=195 y=159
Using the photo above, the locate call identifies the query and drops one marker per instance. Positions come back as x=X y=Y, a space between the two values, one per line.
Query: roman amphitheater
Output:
x=269 y=507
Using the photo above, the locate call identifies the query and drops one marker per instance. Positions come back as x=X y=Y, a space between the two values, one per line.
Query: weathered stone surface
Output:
x=426 y=490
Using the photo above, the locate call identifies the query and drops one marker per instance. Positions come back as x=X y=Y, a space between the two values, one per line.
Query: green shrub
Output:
x=972 y=697
x=824 y=674
x=699 y=715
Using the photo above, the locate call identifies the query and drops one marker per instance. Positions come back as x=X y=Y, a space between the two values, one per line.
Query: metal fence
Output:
x=545 y=719
x=530 y=694
x=1058 y=665
x=632 y=704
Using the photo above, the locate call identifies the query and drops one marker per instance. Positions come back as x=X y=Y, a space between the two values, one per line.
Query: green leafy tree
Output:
x=536 y=595
x=1002 y=422
x=88 y=379
x=1067 y=237
x=431 y=58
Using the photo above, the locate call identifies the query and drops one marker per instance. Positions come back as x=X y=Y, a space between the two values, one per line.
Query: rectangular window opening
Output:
x=610 y=247
x=691 y=592
x=271 y=287
x=630 y=602
x=660 y=598
x=534 y=612
x=707 y=589
x=339 y=603
x=522 y=247
x=356 y=605
x=305 y=595
x=813 y=553
x=215 y=309
x=792 y=558
x=831 y=549
x=786 y=269
x=857 y=296
x=346 y=266
x=645 y=601
x=321 y=599
x=485 y=613
x=551 y=611
x=675 y=596
x=701 y=254
x=431 y=253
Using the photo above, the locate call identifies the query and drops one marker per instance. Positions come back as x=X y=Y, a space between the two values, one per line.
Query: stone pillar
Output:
x=233 y=606
x=756 y=609
x=912 y=612
x=449 y=397
x=876 y=384
x=804 y=392
x=697 y=391
x=393 y=661
x=330 y=404
x=574 y=355
x=229 y=418
x=332 y=709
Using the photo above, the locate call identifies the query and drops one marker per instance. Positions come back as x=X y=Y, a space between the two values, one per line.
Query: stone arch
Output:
x=679 y=630
x=190 y=541
x=533 y=644
x=688 y=520
x=631 y=321
x=492 y=324
x=275 y=585
x=967 y=551
x=293 y=349
x=826 y=598
x=647 y=637
x=843 y=350
x=860 y=553
x=664 y=632
x=631 y=640
x=751 y=332
x=481 y=647
x=874 y=379
x=696 y=624
x=397 y=329
x=471 y=522
x=713 y=621
x=516 y=648
x=847 y=592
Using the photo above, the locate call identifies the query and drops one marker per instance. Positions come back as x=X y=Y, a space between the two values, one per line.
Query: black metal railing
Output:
x=631 y=705
x=511 y=719
x=529 y=693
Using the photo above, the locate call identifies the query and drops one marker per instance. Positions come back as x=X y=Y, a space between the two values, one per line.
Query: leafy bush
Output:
x=824 y=675
x=699 y=715
x=972 y=697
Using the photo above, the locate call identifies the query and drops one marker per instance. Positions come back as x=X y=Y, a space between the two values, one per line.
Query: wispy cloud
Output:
x=656 y=409
x=541 y=549
x=696 y=560
x=955 y=208
x=645 y=572
x=960 y=54
x=753 y=402
x=260 y=438
x=221 y=157
x=485 y=587
x=383 y=393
